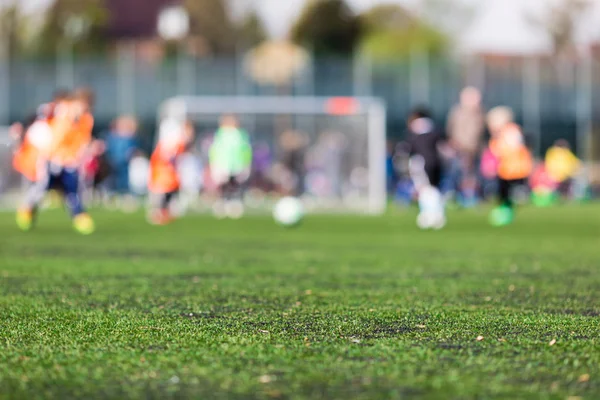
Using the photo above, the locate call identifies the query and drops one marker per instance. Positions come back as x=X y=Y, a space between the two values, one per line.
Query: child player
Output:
x=230 y=162
x=562 y=166
x=424 y=143
x=32 y=138
x=514 y=161
x=174 y=138
x=59 y=160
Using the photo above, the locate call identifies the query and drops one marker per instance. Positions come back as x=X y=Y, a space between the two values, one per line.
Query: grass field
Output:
x=343 y=307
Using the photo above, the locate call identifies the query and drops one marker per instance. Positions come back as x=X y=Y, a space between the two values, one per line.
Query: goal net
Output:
x=328 y=151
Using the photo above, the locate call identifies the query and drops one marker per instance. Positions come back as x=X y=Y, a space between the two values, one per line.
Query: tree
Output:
x=210 y=20
x=328 y=27
x=251 y=31
x=387 y=17
x=561 y=22
x=81 y=22
x=11 y=21
x=393 y=32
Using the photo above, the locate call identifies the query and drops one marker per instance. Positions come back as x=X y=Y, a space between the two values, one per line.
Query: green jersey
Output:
x=231 y=151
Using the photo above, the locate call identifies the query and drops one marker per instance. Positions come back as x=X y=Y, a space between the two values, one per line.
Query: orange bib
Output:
x=72 y=133
x=514 y=159
x=25 y=160
x=164 y=177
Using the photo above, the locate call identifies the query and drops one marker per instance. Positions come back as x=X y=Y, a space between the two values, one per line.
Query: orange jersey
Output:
x=164 y=177
x=26 y=159
x=514 y=159
x=72 y=133
x=30 y=155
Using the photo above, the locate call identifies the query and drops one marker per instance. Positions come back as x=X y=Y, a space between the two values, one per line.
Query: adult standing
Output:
x=465 y=129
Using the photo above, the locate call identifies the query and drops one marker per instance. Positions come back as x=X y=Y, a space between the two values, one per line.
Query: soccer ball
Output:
x=288 y=211
x=427 y=220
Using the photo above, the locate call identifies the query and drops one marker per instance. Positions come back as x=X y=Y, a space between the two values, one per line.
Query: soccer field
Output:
x=342 y=307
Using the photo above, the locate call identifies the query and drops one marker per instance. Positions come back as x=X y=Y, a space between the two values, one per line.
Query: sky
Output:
x=487 y=29
x=28 y=4
x=278 y=14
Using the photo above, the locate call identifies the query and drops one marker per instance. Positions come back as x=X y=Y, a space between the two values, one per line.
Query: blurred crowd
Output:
x=468 y=168
x=117 y=169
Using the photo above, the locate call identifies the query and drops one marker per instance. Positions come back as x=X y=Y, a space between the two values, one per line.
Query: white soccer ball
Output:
x=429 y=220
x=288 y=211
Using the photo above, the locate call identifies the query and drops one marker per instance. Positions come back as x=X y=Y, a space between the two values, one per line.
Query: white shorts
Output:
x=222 y=176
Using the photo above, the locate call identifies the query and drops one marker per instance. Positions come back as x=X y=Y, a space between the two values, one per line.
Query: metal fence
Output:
x=552 y=97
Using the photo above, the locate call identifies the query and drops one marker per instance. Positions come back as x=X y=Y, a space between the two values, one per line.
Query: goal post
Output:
x=10 y=181
x=348 y=133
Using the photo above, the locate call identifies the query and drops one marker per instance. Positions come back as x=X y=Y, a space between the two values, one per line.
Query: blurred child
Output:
x=562 y=165
x=543 y=186
x=60 y=157
x=293 y=146
x=425 y=144
x=514 y=161
x=467 y=195
x=164 y=183
x=27 y=158
x=33 y=137
x=261 y=168
x=121 y=147
x=489 y=174
x=230 y=162
x=94 y=169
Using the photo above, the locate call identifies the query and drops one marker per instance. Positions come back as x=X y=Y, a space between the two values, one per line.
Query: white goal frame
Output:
x=373 y=108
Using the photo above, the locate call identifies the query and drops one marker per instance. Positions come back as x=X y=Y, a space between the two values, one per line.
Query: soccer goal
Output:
x=331 y=151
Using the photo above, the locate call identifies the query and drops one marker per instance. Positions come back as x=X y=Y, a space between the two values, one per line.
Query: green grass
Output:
x=342 y=307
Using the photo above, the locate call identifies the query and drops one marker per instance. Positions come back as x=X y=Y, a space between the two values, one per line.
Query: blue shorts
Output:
x=60 y=178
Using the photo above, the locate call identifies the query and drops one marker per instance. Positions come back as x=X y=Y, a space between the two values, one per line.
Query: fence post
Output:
x=362 y=74
x=476 y=72
x=65 y=70
x=531 y=101
x=303 y=80
x=419 y=76
x=584 y=105
x=312 y=76
x=240 y=74
x=126 y=78
x=4 y=81
x=186 y=82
